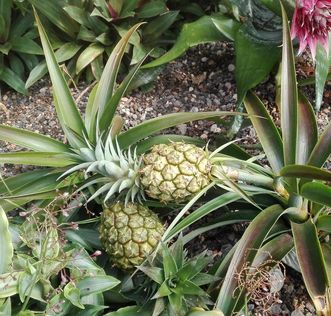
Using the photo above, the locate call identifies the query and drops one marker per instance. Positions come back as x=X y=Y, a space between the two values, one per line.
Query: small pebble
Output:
x=228 y=85
x=215 y=129
x=182 y=128
x=310 y=307
x=231 y=67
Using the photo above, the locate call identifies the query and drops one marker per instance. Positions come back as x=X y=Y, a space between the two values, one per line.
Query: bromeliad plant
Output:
x=84 y=33
x=19 y=49
x=119 y=166
x=97 y=156
x=89 y=140
x=169 y=283
x=178 y=280
x=300 y=220
x=296 y=156
x=97 y=149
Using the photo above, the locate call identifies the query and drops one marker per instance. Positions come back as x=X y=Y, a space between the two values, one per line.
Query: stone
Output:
x=231 y=67
x=182 y=128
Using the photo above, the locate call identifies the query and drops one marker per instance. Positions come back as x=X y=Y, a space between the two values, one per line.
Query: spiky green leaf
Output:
x=66 y=108
x=6 y=246
x=310 y=256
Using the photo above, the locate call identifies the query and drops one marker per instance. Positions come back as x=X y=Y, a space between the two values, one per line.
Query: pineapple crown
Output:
x=110 y=168
x=178 y=279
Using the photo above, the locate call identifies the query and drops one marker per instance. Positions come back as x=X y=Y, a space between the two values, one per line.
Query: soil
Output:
x=202 y=80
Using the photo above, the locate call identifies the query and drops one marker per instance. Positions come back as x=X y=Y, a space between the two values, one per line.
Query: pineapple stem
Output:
x=223 y=173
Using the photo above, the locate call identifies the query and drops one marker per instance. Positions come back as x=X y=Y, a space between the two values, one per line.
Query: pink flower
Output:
x=311 y=24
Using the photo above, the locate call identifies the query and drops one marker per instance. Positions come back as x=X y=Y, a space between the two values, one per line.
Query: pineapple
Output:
x=175 y=171
x=129 y=232
x=170 y=172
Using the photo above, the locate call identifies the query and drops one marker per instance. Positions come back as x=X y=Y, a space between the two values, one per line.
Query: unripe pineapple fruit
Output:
x=175 y=171
x=129 y=232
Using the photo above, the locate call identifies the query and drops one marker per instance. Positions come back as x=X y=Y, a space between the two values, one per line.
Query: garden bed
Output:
x=202 y=80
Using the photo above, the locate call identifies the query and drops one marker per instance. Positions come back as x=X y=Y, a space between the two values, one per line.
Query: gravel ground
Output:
x=202 y=80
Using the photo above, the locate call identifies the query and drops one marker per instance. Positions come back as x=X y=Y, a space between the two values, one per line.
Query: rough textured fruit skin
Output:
x=129 y=232
x=175 y=172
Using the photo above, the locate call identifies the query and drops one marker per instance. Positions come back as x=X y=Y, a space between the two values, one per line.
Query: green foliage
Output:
x=48 y=267
x=47 y=254
x=87 y=138
x=296 y=157
x=84 y=34
x=5 y=243
x=92 y=28
x=47 y=273
x=323 y=62
x=19 y=49
x=177 y=280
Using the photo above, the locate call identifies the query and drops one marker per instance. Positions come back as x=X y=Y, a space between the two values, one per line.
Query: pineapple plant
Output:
x=169 y=172
x=95 y=142
x=176 y=280
x=129 y=233
x=173 y=172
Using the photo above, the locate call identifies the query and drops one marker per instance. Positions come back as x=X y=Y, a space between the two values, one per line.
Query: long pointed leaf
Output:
x=89 y=54
x=65 y=52
x=223 y=220
x=111 y=105
x=307 y=129
x=37 y=159
x=35 y=185
x=266 y=130
x=205 y=209
x=322 y=150
x=317 y=192
x=326 y=249
x=6 y=246
x=6 y=11
x=96 y=284
x=275 y=249
x=66 y=108
x=57 y=15
x=204 y=30
x=311 y=262
x=31 y=140
x=15 y=183
x=305 y=171
x=105 y=88
x=149 y=127
x=289 y=97
x=12 y=80
x=321 y=73
x=15 y=202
